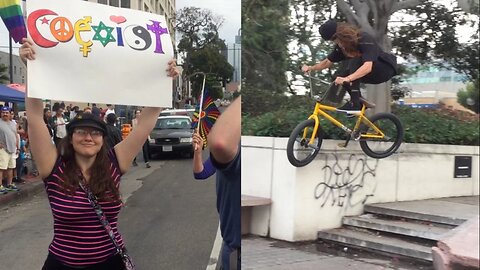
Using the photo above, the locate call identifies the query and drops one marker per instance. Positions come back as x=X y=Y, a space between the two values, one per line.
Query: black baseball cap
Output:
x=328 y=29
x=87 y=120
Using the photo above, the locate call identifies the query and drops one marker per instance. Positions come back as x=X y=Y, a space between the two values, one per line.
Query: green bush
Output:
x=421 y=125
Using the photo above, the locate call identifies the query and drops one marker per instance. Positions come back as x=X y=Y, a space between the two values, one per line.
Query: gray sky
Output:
x=229 y=10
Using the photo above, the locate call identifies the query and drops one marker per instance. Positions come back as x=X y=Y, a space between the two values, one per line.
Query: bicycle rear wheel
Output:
x=299 y=152
x=391 y=127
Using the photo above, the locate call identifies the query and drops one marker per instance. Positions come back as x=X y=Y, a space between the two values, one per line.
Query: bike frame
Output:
x=320 y=111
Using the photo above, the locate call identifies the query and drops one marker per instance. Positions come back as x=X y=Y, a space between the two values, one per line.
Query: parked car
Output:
x=172 y=133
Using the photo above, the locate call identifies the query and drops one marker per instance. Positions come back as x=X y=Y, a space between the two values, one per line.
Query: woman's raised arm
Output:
x=42 y=147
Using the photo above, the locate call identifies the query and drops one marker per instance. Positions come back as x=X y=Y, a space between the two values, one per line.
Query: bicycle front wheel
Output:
x=299 y=152
x=390 y=126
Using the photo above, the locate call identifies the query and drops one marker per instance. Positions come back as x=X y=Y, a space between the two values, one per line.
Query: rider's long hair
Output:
x=347 y=37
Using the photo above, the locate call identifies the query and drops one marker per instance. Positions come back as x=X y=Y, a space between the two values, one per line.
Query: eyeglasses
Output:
x=83 y=133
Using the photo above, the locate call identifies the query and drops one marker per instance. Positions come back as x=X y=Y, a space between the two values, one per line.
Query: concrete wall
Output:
x=341 y=181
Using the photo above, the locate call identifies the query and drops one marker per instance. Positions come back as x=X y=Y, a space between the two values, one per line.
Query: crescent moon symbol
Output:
x=32 y=28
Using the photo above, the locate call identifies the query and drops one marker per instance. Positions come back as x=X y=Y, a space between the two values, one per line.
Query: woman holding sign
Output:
x=81 y=176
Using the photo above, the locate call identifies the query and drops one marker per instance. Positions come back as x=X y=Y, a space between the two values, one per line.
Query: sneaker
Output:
x=350 y=108
x=147 y=165
x=3 y=190
x=19 y=181
x=12 y=187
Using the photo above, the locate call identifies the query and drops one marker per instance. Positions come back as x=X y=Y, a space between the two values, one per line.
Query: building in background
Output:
x=234 y=58
x=19 y=70
x=433 y=87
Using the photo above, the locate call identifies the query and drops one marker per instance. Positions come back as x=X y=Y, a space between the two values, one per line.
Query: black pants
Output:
x=112 y=263
x=145 y=150
x=381 y=72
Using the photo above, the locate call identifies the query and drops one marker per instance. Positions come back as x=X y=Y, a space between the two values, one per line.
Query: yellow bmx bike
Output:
x=379 y=135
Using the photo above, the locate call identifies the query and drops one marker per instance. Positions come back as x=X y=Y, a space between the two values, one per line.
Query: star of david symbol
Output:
x=98 y=34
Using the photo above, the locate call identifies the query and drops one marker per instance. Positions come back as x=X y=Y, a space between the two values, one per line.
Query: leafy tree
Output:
x=265 y=26
x=4 y=77
x=469 y=97
x=203 y=50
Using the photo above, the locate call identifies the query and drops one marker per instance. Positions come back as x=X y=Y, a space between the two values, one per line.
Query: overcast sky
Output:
x=229 y=10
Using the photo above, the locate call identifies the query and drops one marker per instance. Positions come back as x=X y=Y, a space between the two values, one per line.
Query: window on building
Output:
x=125 y=4
x=14 y=69
x=139 y=6
x=114 y=3
x=445 y=79
x=102 y=2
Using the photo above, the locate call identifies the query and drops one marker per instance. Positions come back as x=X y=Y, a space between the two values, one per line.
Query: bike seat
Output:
x=367 y=103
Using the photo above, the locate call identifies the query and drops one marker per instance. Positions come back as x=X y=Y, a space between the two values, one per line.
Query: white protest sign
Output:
x=88 y=52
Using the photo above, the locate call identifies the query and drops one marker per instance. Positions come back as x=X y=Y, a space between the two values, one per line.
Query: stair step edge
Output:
x=404 y=248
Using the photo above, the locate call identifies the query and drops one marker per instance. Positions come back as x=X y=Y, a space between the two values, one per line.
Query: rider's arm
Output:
x=325 y=63
x=361 y=71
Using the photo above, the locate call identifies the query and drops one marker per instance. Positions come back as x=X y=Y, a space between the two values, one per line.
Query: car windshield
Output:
x=173 y=123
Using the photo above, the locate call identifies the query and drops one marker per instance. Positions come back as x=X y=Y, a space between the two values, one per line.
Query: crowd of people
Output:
x=13 y=149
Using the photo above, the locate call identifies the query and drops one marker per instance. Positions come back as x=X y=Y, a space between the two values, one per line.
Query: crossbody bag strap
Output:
x=100 y=214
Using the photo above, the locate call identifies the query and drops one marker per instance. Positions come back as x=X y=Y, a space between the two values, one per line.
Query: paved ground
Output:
x=269 y=254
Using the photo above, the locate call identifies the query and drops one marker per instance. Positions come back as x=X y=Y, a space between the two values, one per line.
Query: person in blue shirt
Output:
x=201 y=170
x=224 y=143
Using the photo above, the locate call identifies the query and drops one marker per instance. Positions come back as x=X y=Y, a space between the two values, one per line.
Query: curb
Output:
x=27 y=190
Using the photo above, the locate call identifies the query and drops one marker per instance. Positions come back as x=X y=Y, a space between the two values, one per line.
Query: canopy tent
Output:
x=16 y=86
x=8 y=94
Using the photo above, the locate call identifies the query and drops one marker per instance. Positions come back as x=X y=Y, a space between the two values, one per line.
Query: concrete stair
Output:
x=407 y=229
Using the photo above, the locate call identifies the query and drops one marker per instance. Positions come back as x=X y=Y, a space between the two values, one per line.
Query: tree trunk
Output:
x=380 y=95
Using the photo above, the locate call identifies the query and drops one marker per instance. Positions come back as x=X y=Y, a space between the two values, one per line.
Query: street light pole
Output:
x=11 y=56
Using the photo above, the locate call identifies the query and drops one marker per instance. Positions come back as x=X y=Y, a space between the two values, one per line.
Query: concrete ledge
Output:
x=248 y=202
x=459 y=248
x=436 y=211
x=254 y=201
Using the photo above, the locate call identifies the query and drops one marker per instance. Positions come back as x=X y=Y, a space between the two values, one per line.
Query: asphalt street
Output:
x=169 y=220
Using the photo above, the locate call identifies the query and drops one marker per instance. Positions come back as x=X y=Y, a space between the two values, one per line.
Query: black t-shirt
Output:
x=369 y=50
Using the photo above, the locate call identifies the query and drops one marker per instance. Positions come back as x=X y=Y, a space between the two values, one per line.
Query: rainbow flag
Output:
x=12 y=16
x=209 y=115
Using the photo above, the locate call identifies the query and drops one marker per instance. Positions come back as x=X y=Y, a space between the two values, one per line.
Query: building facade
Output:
x=432 y=81
x=19 y=70
x=234 y=58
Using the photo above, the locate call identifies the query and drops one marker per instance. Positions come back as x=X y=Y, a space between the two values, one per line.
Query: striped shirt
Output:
x=79 y=238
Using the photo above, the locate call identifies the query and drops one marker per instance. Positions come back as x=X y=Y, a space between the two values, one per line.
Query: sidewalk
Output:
x=32 y=186
x=270 y=254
